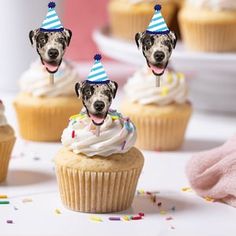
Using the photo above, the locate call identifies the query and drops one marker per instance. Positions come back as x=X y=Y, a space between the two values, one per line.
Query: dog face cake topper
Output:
x=97 y=92
x=51 y=40
x=157 y=43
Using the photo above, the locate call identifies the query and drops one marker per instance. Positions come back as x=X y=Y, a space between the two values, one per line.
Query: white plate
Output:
x=212 y=76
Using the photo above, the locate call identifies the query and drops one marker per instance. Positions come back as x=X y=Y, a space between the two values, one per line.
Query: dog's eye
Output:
x=166 y=42
x=61 y=40
x=42 y=40
x=87 y=92
x=148 y=41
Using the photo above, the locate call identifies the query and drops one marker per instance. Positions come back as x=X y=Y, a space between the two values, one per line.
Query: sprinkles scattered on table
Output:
x=27 y=200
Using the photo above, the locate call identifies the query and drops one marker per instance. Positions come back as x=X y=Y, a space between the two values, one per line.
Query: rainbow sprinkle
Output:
x=164 y=91
x=96 y=219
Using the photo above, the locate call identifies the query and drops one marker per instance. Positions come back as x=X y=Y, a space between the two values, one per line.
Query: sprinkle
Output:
x=169 y=78
x=172 y=227
x=3 y=196
x=74 y=122
x=159 y=204
x=148 y=193
x=136 y=218
x=15 y=208
x=141 y=191
x=4 y=202
x=186 y=189
x=26 y=200
x=180 y=76
x=9 y=221
x=123 y=145
x=126 y=218
x=173 y=208
x=169 y=218
x=115 y=117
x=36 y=158
x=141 y=214
x=209 y=199
x=57 y=211
x=153 y=198
x=96 y=219
x=164 y=91
x=114 y=218
x=163 y=212
x=73 y=134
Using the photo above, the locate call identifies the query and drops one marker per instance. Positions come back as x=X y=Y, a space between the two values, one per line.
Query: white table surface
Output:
x=31 y=176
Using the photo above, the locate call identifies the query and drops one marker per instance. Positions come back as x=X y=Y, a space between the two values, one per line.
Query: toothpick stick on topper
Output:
x=51 y=40
x=157 y=43
x=97 y=93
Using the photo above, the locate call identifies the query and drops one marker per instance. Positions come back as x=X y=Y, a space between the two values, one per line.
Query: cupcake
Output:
x=209 y=26
x=7 y=141
x=127 y=17
x=41 y=106
x=161 y=114
x=98 y=171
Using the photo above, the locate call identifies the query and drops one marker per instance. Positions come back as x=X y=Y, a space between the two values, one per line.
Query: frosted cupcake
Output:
x=161 y=114
x=7 y=141
x=209 y=25
x=127 y=17
x=43 y=109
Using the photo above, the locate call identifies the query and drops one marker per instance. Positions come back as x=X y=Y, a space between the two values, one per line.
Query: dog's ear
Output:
x=173 y=38
x=113 y=86
x=68 y=35
x=33 y=35
x=138 y=37
x=78 y=88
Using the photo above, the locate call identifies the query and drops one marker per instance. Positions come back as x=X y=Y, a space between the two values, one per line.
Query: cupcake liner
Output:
x=5 y=154
x=160 y=131
x=100 y=187
x=208 y=35
x=45 y=123
x=126 y=23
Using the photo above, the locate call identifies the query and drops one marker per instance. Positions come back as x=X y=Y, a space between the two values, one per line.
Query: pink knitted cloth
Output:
x=213 y=173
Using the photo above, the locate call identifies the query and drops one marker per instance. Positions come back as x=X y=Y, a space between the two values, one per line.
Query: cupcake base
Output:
x=98 y=184
x=159 y=128
x=44 y=118
x=7 y=141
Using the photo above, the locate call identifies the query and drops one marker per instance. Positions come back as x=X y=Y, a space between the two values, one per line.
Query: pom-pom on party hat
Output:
x=157 y=24
x=97 y=74
x=52 y=22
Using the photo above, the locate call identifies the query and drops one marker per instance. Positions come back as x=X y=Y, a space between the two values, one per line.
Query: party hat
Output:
x=97 y=74
x=52 y=22
x=157 y=24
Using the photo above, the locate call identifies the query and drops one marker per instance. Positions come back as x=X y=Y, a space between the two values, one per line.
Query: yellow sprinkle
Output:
x=209 y=199
x=170 y=78
x=126 y=218
x=164 y=91
x=77 y=116
x=114 y=117
x=25 y=200
x=163 y=212
x=57 y=211
x=96 y=218
x=3 y=196
x=186 y=189
x=180 y=76
x=141 y=191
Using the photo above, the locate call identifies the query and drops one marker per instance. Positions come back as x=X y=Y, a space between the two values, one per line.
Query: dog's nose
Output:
x=159 y=56
x=99 y=105
x=53 y=53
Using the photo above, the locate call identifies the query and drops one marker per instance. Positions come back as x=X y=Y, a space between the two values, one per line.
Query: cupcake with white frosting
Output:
x=42 y=108
x=161 y=114
x=127 y=17
x=7 y=141
x=98 y=173
x=209 y=25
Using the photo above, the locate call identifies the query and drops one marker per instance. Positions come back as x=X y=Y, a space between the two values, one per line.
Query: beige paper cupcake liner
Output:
x=125 y=24
x=5 y=154
x=207 y=35
x=97 y=192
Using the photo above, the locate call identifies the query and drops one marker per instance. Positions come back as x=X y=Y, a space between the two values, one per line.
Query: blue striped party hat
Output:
x=157 y=24
x=52 y=22
x=97 y=74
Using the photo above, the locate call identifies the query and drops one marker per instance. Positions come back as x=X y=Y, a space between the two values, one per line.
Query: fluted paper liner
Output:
x=163 y=130
x=98 y=191
x=44 y=119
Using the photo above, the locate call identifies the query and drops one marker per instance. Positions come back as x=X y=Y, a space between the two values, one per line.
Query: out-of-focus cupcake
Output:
x=43 y=109
x=209 y=25
x=98 y=173
x=161 y=114
x=127 y=17
x=7 y=141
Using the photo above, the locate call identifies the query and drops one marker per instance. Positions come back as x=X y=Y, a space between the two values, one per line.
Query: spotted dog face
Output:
x=50 y=47
x=157 y=49
x=96 y=98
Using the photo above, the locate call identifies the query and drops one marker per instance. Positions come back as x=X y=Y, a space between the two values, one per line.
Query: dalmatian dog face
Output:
x=96 y=98
x=157 y=49
x=50 y=46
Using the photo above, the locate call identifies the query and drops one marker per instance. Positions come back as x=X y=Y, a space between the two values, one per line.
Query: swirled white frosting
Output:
x=3 y=120
x=214 y=4
x=141 y=88
x=35 y=80
x=117 y=135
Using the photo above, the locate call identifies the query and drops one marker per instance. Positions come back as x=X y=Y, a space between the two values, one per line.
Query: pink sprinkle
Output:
x=136 y=218
x=148 y=193
x=141 y=214
x=169 y=218
x=159 y=204
x=73 y=134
